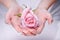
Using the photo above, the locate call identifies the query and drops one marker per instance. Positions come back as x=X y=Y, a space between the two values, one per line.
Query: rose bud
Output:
x=29 y=19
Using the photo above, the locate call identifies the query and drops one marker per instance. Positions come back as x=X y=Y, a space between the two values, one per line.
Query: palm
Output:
x=13 y=19
x=43 y=16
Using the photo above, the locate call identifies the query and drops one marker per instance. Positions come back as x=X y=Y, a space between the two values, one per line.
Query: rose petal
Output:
x=28 y=19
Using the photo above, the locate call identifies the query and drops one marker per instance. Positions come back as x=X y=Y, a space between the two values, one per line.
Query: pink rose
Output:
x=28 y=19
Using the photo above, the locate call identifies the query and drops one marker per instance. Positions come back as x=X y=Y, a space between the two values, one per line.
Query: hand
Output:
x=14 y=20
x=26 y=31
x=43 y=16
x=11 y=16
x=28 y=20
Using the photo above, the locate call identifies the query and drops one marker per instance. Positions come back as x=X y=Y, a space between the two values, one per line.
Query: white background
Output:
x=7 y=32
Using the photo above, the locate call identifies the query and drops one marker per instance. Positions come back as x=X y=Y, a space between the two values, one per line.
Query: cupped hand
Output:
x=11 y=17
x=43 y=16
x=14 y=20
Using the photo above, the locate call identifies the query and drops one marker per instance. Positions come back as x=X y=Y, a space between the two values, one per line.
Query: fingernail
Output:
x=51 y=22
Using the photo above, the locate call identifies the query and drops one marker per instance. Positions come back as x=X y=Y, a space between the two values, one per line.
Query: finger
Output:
x=40 y=28
x=33 y=31
x=8 y=18
x=26 y=10
x=16 y=24
x=49 y=18
x=17 y=28
x=27 y=33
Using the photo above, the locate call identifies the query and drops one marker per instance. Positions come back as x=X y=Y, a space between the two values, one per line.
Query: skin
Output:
x=12 y=19
x=41 y=12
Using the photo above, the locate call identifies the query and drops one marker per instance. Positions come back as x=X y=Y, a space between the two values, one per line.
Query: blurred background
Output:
x=50 y=32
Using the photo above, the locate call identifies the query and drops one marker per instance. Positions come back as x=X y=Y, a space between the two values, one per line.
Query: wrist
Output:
x=41 y=9
x=12 y=4
x=9 y=3
x=45 y=4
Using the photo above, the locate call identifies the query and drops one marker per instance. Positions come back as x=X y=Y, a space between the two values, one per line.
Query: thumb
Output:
x=26 y=10
x=49 y=18
x=8 y=18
